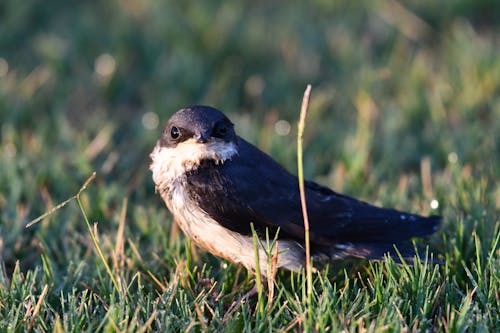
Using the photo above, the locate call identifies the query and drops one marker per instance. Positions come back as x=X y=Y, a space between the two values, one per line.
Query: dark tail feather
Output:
x=379 y=250
x=386 y=226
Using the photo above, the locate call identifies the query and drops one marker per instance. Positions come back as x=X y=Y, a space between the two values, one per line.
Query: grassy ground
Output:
x=405 y=110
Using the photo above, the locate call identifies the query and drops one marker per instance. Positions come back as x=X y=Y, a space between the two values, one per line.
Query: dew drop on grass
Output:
x=282 y=127
x=452 y=157
x=105 y=65
x=434 y=204
x=254 y=85
x=150 y=120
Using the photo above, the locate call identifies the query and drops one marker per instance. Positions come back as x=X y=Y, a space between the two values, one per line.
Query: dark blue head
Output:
x=201 y=123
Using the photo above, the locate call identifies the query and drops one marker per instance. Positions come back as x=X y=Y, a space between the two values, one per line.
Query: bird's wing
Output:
x=249 y=188
x=253 y=188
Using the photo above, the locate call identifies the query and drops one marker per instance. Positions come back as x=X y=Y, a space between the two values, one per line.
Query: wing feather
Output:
x=253 y=188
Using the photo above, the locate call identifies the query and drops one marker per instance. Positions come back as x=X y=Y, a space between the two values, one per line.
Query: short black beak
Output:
x=202 y=137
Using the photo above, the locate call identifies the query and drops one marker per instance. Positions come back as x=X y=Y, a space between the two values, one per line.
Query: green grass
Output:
x=405 y=109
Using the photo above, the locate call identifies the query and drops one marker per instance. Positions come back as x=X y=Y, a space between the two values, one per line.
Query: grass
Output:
x=300 y=175
x=405 y=110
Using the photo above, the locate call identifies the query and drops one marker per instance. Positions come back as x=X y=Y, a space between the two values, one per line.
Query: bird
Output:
x=217 y=186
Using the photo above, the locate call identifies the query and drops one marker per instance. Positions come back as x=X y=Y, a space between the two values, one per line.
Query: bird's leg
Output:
x=251 y=293
x=208 y=284
x=205 y=282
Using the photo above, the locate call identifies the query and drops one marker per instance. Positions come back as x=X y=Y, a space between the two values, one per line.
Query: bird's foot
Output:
x=243 y=299
x=208 y=284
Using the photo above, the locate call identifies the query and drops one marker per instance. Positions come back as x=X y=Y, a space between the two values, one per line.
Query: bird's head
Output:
x=192 y=135
x=197 y=125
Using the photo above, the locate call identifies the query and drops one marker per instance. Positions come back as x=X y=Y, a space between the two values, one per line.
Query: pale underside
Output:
x=169 y=167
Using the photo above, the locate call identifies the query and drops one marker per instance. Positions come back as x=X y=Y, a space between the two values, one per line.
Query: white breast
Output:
x=211 y=236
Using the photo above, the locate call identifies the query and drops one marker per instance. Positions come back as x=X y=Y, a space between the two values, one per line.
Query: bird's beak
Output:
x=202 y=137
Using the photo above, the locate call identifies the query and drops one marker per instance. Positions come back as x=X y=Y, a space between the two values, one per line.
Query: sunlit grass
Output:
x=406 y=114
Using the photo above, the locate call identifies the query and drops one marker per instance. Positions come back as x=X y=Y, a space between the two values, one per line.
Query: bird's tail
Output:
x=401 y=251
x=394 y=241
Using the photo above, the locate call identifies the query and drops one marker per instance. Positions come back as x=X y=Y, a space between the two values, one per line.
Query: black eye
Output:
x=175 y=133
x=220 y=130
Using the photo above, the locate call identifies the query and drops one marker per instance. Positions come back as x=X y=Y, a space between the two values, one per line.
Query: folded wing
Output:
x=252 y=188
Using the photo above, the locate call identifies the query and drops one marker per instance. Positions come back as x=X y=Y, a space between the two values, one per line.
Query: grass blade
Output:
x=302 y=123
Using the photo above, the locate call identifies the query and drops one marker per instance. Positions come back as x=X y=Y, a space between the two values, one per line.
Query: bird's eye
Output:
x=220 y=130
x=175 y=133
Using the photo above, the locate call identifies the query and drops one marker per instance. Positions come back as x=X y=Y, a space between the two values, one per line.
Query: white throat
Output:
x=170 y=163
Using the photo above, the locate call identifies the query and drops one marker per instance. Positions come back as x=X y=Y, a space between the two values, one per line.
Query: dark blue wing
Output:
x=252 y=188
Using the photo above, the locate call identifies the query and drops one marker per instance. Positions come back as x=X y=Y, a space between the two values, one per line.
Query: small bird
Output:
x=216 y=185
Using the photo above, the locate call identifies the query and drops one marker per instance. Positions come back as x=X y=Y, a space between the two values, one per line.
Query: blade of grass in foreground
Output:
x=93 y=235
x=91 y=231
x=64 y=203
x=302 y=123
x=258 y=276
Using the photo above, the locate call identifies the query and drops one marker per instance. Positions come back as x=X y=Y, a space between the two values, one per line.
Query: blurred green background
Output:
x=405 y=107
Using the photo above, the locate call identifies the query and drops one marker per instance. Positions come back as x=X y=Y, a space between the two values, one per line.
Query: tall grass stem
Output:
x=300 y=165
